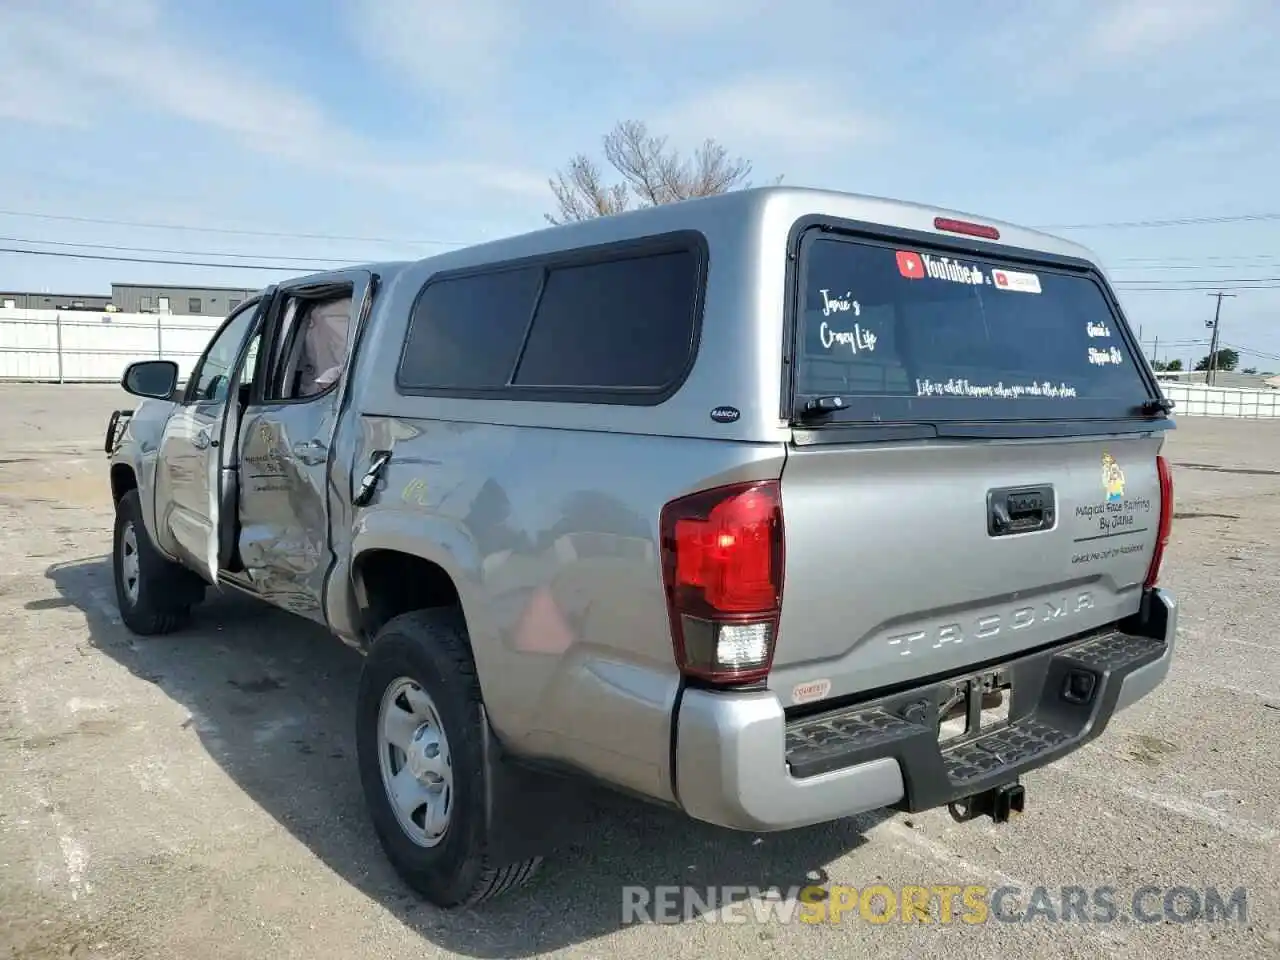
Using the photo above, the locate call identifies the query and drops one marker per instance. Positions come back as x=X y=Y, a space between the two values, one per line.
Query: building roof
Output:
x=181 y=286
x=46 y=293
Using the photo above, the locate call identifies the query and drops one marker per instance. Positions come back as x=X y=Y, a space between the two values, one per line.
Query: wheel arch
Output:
x=389 y=581
x=123 y=479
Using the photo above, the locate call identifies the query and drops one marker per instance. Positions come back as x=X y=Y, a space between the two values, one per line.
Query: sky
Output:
x=356 y=130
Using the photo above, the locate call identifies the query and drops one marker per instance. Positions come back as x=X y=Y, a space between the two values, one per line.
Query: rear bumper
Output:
x=739 y=763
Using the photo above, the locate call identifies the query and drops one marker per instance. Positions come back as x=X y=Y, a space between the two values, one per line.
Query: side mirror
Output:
x=151 y=378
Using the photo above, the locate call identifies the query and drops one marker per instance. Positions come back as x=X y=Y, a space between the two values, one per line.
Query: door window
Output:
x=311 y=348
x=213 y=374
x=250 y=366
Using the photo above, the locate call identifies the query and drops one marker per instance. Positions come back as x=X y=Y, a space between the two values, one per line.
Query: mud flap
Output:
x=528 y=813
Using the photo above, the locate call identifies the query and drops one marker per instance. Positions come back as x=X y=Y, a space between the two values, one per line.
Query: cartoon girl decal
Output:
x=1112 y=478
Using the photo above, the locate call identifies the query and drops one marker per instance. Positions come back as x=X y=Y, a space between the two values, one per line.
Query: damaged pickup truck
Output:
x=774 y=508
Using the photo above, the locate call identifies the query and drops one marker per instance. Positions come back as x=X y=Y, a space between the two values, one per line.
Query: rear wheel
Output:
x=419 y=735
x=154 y=595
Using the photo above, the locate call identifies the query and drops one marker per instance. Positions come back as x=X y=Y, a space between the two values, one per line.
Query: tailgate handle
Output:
x=1013 y=510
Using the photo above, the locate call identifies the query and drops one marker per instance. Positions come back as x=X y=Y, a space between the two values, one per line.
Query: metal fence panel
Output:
x=1200 y=400
x=85 y=346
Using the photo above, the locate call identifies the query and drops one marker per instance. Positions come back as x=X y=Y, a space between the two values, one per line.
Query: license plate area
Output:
x=972 y=706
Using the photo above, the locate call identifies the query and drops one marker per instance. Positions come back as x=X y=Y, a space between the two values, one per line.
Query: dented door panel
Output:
x=292 y=485
x=283 y=516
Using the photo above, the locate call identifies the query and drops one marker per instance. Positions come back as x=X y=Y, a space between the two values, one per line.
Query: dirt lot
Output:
x=195 y=796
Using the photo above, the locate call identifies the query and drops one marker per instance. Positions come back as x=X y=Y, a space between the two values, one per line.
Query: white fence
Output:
x=1199 y=400
x=78 y=345
x=66 y=346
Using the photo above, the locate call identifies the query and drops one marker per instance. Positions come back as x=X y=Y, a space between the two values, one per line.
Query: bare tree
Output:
x=651 y=175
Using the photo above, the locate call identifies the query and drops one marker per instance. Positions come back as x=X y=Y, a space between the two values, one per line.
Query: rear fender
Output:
x=430 y=538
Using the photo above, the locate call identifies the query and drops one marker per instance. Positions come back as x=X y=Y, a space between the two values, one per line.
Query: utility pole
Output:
x=1210 y=373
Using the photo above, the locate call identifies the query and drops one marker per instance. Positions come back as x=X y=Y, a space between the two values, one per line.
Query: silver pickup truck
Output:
x=774 y=507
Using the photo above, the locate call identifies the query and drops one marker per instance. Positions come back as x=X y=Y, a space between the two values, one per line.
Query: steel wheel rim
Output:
x=130 y=572
x=415 y=762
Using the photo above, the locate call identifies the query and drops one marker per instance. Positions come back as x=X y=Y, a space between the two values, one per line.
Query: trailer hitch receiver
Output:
x=999 y=803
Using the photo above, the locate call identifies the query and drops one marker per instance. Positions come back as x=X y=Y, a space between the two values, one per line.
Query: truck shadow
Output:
x=272 y=698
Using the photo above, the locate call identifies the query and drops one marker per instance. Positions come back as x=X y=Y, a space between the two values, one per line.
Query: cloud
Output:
x=1123 y=30
x=81 y=67
x=30 y=93
x=455 y=49
x=35 y=87
x=1062 y=46
x=682 y=17
x=776 y=117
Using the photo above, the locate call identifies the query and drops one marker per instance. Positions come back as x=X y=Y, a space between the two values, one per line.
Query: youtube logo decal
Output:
x=910 y=265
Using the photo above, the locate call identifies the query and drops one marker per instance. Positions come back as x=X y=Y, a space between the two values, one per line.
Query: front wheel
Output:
x=154 y=595
x=419 y=735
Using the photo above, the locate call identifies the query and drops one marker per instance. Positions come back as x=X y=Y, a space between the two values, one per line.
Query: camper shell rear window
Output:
x=907 y=333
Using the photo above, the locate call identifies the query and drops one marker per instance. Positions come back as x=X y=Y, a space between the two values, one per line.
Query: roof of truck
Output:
x=756 y=208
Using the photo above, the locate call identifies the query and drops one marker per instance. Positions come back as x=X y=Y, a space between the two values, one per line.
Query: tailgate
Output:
x=900 y=564
x=1011 y=497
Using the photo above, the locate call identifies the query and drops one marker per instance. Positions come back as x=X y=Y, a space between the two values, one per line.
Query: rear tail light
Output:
x=966 y=227
x=1166 y=520
x=722 y=563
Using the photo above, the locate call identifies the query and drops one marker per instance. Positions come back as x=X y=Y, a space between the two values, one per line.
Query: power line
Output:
x=1114 y=225
x=1179 y=259
x=181 y=253
x=353 y=260
x=1178 y=222
x=226 y=230
x=172 y=263
x=1204 y=286
x=1222 y=345
x=1268 y=264
x=1232 y=281
x=1124 y=286
x=1261 y=354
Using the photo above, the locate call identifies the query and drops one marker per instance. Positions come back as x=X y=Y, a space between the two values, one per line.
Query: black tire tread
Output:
x=445 y=630
x=498 y=880
x=169 y=590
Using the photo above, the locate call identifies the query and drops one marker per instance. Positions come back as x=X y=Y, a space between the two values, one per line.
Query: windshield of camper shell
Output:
x=934 y=335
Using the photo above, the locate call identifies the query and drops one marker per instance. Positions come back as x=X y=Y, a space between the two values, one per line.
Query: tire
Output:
x=422 y=659
x=154 y=595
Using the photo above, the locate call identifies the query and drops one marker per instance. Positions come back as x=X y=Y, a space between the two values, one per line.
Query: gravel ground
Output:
x=195 y=796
